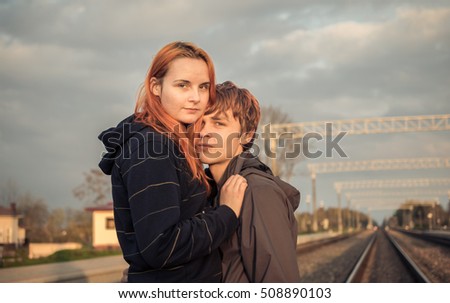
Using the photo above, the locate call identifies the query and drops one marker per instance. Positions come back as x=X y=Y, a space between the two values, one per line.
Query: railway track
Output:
x=330 y=260
x=377 y=257
x=385 y=260
x=430 y=254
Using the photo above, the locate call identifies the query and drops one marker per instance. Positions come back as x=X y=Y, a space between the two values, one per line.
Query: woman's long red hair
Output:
x=150 y=111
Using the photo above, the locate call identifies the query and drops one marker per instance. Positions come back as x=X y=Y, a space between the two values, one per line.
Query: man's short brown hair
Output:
x=244 y=106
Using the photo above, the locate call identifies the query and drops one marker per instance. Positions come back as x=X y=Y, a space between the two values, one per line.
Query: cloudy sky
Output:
x=69 y=69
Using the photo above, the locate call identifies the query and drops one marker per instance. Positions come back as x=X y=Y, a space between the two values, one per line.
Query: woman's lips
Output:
x=192 y=110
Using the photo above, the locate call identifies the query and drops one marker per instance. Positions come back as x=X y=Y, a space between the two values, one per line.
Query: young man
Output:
x=263 y=249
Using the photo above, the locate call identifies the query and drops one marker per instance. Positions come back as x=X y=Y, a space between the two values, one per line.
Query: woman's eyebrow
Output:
x=182 y=80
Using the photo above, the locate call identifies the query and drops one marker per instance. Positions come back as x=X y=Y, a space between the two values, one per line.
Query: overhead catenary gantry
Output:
x=356 y=127
x=365 y=126
x=390 y=202
x=387 y=183
x=395 y=203
x=371 y=165
x=378 y=198
x=378 y=164
x=391 y=183
x=408 y=194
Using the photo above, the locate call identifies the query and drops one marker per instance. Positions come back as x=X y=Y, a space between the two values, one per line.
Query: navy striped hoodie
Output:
x=166 y=228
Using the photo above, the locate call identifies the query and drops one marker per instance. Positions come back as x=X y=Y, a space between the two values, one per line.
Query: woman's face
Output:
x=184 y=91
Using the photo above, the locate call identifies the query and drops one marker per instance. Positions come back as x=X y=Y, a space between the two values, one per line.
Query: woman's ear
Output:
x=155 y=87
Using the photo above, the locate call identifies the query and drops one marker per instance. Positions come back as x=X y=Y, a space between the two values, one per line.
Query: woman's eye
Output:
x=204 y=87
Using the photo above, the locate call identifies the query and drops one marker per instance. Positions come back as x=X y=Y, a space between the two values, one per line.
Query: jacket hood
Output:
x=114 y=138
x=246 y=164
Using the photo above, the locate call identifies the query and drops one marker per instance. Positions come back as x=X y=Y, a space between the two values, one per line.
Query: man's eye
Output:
x=182 y=85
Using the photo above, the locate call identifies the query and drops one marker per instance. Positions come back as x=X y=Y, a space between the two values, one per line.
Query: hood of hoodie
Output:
x=114 y=138
x=246 y=164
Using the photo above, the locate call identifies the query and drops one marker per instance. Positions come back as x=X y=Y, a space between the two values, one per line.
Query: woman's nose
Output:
x=195 y=96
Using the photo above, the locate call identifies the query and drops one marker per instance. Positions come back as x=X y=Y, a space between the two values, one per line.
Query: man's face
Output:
x=220 y=138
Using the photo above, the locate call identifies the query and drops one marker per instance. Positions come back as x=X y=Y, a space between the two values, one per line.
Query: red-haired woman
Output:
x=166 y=229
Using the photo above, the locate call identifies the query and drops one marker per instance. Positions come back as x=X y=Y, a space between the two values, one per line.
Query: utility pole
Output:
x=314 y=202
x=338 y=190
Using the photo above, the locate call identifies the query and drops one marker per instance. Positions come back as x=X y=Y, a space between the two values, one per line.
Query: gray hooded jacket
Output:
x=263 y=249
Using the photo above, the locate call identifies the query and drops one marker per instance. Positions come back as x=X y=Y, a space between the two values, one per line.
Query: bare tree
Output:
x=35 y=215
x=56 y=225
x=79 y=226
x=283 y=163
x=42 y=225
x=96 y=188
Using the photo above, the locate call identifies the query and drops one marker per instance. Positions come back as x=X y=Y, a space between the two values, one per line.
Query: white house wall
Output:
x=9 y=230
x=103 y=237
